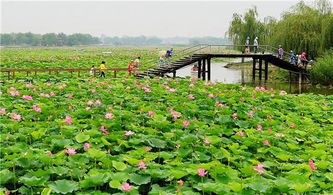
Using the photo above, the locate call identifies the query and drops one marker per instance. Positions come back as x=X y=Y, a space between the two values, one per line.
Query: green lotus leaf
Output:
x=5 y=176
x=120 y=166
x=64 y=186
x=81 y=137
x=139 y=179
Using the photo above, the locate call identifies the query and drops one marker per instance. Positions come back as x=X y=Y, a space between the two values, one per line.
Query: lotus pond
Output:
x=163 y=136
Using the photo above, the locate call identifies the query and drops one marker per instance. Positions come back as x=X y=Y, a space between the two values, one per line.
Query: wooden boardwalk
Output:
x=260 y=64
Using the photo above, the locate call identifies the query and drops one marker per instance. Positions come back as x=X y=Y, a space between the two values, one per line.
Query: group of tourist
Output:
x=255 y=45
x=133 y=65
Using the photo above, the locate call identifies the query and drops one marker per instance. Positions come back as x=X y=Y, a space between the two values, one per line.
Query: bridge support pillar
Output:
x=174 y=74
x=254 y=69
x=199 y=69
x=260 y=69
x=209 y=69
x=204 y=69
x=266 y=70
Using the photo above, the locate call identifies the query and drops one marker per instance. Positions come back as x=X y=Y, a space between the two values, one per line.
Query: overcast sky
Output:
x=132 y=18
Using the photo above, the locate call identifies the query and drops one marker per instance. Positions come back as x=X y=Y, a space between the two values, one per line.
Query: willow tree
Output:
x=245 y=26
x=305 y=28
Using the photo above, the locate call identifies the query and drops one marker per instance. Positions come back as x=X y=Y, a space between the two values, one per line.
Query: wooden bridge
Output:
x=260 y=63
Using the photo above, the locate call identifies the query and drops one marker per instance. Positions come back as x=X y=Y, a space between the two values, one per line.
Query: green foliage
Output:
x=322 y=71
x=298 y=128
x=303 y=28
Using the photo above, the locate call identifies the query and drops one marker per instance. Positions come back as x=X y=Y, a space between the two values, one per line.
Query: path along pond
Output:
x=243 y=75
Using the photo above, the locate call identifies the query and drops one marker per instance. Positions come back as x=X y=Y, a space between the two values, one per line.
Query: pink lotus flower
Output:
x=48 y=84
x=28 y=85
x=146 y=90
x=128 y=87
x=27 y=97
x=52 y=93
x=175 y=116
x=142 y=165
x=147 y=149
x=202 y=172
x=206 y=142
x=269 y=117
x=86 y=146
x=186 y=123
x=242 y=99
x=15 y=93
x=90 y=102
x=70 y=151
x=88 y=108
x=279 y=135
x=68 y=120
x=180 y=182
x=172 y=90
x=191 y=96
x=266 y=143
x=126 y=187
x=260 y=169
x=70 y=96
x=98 y=102
x=36 y=108
x=292 y=125
x=251 y=113
x=15 y=116
x=93 y=91
x=234 y=115
x=103 y=129
x=109 y=116
x=272 y=95
x=128 y=133
x=150 y=113
x=211 y=95
x=259 y=127
x=62 y=86
x=3 y=111
x=191 y=85
x=240 y=133
x=312 y=165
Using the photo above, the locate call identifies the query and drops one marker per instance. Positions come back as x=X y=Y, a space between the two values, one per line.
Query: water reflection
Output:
x=243 y=75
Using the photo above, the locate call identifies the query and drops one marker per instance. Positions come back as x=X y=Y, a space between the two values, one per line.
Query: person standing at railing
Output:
x=92 y=70
x=304 y=59
x=247 y=45
x=255 y=45
x=130 y=67
x=102 y=68
x=280 y=52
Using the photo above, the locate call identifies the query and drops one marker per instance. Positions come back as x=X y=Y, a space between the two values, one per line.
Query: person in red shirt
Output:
x=304 y=60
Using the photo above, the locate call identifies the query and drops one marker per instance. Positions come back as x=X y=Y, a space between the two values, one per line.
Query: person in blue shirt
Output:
x=292 y=57
x=169 y=53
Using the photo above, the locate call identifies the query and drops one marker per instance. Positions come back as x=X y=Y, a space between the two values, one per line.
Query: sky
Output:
x=131 y=18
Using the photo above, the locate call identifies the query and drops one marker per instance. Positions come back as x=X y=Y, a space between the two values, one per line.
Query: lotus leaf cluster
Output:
x=163 y=136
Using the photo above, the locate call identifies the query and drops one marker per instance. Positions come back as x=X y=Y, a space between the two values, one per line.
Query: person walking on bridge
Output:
x=255 y=45
x=280 y=52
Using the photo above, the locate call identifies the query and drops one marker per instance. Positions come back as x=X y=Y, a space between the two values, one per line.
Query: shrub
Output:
x=322 y=71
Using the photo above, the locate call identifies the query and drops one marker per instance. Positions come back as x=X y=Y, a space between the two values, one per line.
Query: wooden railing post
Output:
x=254 y=69
x=115 y=74
x=260 y=68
